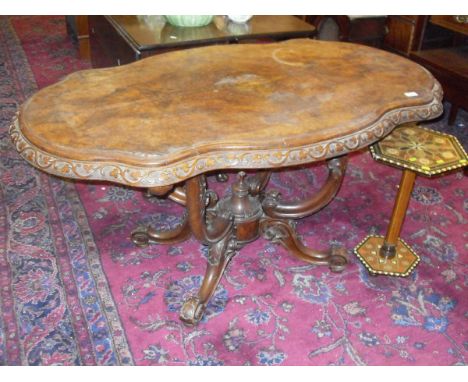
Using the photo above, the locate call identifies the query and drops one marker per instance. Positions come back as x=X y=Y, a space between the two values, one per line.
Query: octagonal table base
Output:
x=402 y=264
x=227 y=225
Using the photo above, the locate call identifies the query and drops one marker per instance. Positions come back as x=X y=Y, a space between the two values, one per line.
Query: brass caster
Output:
x=140 y=238
x=148 y=194
x=192 y=311
x=222 y=177
x=338 y=261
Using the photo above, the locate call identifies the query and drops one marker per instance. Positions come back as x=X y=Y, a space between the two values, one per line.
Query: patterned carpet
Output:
x=75 y=291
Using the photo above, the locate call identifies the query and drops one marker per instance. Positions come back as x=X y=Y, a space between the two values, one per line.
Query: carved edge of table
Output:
x=141 y=176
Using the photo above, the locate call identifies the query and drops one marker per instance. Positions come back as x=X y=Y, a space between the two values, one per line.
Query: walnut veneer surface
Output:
x=167 y=118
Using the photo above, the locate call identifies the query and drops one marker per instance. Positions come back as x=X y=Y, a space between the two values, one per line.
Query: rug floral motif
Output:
x=75 y=290
x=56 y=306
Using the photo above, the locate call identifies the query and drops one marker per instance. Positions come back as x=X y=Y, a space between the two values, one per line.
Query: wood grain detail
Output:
x=143 y=176
x=167 y=118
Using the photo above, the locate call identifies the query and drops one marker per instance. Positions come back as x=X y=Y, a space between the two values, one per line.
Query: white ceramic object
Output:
x=239 y=18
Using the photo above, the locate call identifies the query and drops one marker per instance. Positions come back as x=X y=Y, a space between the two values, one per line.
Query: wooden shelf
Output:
x=453 y=60
x=450 y=22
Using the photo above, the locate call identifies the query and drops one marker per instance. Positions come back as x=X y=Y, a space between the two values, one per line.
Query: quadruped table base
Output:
x=226 y=225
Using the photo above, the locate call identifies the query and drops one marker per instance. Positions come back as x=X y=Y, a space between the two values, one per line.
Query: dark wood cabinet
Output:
x=443 y=50
x=440 y=44
x=109 y=47
x=367 y=30
x=119 y=40
x=406 y=34
x=403 y=33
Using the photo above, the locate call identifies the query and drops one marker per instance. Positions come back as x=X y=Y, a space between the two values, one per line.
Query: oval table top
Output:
x=169 y=117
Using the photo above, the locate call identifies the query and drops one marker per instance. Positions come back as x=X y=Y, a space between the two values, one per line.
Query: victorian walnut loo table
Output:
x=164 y=122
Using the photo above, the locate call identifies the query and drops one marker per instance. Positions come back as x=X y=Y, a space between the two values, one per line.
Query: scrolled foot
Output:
x=192 y=311
x=145 y=235
x=282 y=232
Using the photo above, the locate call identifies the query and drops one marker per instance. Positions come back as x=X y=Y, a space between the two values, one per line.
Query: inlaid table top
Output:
x=421 y=150
x=164 y=119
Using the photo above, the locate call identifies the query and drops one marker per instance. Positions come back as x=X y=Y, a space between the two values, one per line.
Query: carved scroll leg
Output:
x=144 y=236
x=218 y=258
x=217 y=234
x=279 y=231
x=279 y=209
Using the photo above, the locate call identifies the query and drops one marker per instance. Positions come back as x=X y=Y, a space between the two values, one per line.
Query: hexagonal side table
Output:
x=418 y=151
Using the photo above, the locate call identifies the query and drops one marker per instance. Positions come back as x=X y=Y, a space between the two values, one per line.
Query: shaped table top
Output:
x=169 y=117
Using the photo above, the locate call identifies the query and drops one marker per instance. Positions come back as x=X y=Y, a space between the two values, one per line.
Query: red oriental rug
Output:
x=74 y=290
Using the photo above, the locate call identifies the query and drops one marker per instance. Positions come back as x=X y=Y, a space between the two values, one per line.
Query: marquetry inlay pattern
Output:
x=401 y=265
x=422 y=150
